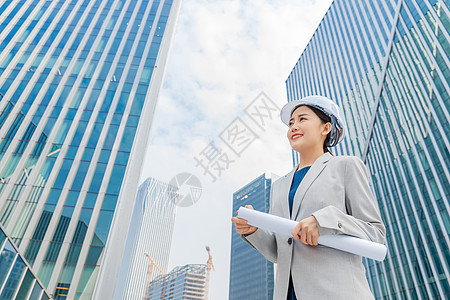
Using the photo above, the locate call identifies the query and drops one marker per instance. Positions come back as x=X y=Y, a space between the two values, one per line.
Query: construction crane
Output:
x=149 y=273
x=209 y=266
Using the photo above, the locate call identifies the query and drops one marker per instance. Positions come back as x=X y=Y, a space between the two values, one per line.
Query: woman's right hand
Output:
x=241 y=225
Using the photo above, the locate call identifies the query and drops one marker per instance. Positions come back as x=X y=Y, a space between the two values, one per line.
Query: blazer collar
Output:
x=316 y=168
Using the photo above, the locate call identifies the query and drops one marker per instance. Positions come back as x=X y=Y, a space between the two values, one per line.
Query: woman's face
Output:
x=306 y=130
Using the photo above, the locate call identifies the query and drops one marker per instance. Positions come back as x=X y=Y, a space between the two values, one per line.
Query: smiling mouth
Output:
x=296 y=136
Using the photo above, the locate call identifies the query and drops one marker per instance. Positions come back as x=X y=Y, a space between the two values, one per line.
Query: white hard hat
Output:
x=327 y=106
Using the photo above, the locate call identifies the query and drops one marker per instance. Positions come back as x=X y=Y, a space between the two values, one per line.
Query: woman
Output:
x=326 y=194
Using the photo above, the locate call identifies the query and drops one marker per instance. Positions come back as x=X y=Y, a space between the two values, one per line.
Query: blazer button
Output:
x=340 y=225
x=289 y=241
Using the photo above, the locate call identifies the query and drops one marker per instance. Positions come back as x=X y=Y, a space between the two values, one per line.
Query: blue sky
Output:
x=224 y=53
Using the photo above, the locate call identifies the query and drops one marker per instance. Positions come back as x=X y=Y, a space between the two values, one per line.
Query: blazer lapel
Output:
x=306 y=182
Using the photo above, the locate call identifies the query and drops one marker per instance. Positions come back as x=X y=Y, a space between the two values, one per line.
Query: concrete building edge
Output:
x=114 y=248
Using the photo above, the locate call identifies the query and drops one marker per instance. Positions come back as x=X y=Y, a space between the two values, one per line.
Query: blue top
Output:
x=298 y=177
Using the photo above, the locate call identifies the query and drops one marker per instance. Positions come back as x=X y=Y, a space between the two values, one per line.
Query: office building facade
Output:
x=150 y=233
x=79 y=82
x=251 y=275
x=17 y=280
x=386 y=64
x=186 y=282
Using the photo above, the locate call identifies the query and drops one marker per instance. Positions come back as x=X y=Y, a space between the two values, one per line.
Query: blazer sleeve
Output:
x=263 y=240
x=363 y=218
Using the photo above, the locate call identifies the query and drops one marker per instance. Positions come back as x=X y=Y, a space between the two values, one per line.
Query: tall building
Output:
x=79 y=81
x=186 y=282
x=150 y=233
x=251 y=275
x=386 y=64
x=17 y=280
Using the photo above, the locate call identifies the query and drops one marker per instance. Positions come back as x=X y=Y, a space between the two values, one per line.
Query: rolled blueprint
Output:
x=341 y=242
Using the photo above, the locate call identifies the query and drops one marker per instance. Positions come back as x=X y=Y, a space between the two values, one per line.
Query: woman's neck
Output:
x=307 y=159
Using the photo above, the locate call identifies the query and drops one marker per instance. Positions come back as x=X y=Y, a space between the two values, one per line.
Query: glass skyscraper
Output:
x=79 y=82
x=150 y=233
x=251 y=274
x=386 y=64
x=17 y=280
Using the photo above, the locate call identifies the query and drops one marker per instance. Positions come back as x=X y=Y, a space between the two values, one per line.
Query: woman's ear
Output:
x=326 y=129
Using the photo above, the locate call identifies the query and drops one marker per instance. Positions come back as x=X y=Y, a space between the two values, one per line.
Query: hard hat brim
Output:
x=288 y=108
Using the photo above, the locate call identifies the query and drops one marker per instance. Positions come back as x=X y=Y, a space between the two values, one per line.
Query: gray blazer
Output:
x=336 y=191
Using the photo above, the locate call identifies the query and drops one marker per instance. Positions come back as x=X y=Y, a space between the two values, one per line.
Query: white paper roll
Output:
x=341 y=242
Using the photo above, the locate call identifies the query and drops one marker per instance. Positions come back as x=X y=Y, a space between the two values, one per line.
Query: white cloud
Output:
x=224 y=54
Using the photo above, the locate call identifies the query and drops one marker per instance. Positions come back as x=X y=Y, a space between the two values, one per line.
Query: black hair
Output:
x=325 y=119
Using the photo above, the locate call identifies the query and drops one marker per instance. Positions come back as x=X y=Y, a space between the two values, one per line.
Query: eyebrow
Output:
x=299 y=116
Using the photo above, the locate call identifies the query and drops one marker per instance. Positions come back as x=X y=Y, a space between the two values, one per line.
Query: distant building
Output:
x=151 y=232
x=251 y=274
x=187 y=282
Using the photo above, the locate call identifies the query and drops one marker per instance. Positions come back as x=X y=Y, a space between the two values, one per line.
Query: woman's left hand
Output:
x=309 y=231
